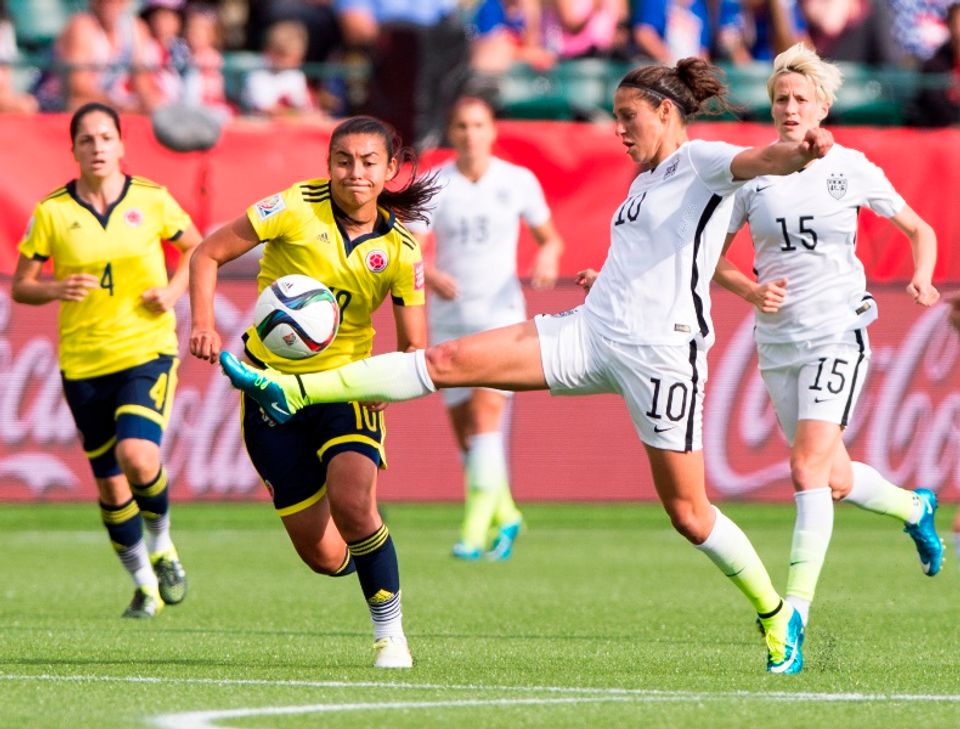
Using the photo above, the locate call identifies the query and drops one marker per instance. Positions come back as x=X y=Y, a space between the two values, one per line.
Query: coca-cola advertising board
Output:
x=907 y=423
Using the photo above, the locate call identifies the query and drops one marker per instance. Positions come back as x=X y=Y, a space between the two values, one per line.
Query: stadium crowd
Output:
x=406 y=60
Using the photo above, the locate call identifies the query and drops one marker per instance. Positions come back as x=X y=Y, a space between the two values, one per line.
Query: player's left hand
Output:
x=585 y=278
x=923 y=292
x=159 y=299
x=375 y=406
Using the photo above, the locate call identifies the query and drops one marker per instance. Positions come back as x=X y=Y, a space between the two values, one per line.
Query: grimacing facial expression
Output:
x=472 y=130
x=359 y=169
x=795 y=107
x=97 y=146
x=640 y=127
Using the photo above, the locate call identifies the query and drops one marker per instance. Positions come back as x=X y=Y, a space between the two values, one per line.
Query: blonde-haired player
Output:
x=812 y=313
x=118 y=341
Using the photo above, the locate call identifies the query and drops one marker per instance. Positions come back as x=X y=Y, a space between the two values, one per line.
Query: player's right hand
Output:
x=205 y=344
x=585 y=278
x=816 y=143
x=76 y=286
x=769 y=297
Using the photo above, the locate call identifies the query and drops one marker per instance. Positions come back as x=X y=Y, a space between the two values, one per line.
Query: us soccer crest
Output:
x=837 y=186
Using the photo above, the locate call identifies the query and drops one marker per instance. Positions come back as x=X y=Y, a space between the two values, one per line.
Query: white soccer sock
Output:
x=812 y=530
x=873 y=492
x=730 y=550
x=486 y=470
x=391 y=377
x=137 y=563
x=157 y=533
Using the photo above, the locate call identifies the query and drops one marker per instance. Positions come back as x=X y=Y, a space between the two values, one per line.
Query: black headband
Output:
x=661 y=93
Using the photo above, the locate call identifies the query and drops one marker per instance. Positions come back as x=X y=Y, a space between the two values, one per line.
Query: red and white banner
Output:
x=583 y=168
x=562 y=448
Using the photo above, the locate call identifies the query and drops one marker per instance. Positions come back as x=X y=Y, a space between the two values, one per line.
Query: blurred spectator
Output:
x=10 y=98
x=583 y=28
x=758 y=30
x=316 y=15
x=504 y=32
x=281 y=88
x=667 y=30
x=420 y=59
x=850 y=30
x=101 y=55
x=918 y=28
x=203 y=81
x=940 y=106
x=169 y=55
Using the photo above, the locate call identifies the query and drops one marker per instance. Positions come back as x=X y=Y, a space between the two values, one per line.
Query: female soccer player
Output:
x=474 y=226
x=812 y=312
x=322 y=465
x=118 y=341
x=643 y=331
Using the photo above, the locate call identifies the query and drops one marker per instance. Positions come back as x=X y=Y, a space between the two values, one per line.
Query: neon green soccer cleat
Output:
x=171 y=576
x=146 y=604
x=785 y=647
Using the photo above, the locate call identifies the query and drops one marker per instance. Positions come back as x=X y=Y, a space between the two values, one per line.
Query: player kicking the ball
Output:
x=644 y=329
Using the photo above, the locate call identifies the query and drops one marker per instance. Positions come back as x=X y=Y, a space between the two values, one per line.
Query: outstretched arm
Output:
x=782 y=158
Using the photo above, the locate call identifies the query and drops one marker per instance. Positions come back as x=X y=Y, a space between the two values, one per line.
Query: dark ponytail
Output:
x=410 y=202
x=693 y=85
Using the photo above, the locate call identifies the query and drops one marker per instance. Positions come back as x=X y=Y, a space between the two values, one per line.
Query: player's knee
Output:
x=806 y=474
x=140 y=465
x=442 y=361
x=689 y=522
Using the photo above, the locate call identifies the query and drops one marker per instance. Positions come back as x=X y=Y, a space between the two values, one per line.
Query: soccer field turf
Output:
x=604 y=617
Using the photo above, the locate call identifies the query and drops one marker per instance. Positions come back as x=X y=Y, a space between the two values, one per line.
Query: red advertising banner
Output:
x=561 y=448
x=583 y=168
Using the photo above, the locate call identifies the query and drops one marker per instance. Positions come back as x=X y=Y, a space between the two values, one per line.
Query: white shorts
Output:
x=817 y=379
x=454 y=396
x=662 y=385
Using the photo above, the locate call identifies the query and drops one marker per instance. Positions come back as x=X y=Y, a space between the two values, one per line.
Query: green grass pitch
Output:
x=603 y=618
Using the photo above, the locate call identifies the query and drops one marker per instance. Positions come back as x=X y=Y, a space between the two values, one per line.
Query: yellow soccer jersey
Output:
x=302 y=236
x=111 y=329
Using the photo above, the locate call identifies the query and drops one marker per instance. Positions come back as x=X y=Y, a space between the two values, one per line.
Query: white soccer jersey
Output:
x=665 y=240
x=804 y=228
x=476 y=226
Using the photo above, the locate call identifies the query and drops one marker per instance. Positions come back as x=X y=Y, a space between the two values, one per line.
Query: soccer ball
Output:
x=296 y=317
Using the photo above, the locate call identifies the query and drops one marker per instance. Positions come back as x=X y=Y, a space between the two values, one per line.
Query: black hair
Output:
x=410 y=201
x=89 y=109
x=693 y=85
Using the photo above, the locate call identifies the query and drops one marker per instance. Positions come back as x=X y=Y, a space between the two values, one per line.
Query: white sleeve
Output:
x=711 y=161
x=878 y=193
x=533 y=206
x=741 y=204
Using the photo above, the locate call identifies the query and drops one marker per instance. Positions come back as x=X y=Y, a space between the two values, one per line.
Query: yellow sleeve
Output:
x=37 y=241
x=271 y=216
x=407 y=288
x=175 y=219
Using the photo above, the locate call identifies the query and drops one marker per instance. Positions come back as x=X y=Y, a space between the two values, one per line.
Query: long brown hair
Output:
x=693 y=85
x=410 y=201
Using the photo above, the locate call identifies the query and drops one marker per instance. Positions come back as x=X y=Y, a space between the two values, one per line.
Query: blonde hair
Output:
x=826 y=77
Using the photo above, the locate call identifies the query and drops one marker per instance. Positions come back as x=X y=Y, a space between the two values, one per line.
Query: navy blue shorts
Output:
x=292 y=458
x=131 y=403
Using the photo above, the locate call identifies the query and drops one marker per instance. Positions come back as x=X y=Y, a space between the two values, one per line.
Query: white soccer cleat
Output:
x=392 y=653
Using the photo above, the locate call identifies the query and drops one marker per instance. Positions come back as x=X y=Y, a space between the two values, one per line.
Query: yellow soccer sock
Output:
x=873 y=492
x=729 y=549
x=811 y=538
x=391 y=377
